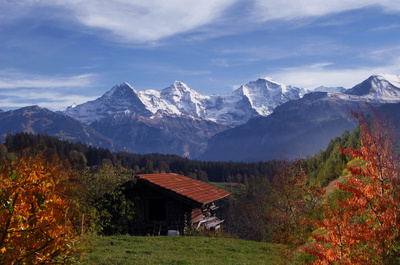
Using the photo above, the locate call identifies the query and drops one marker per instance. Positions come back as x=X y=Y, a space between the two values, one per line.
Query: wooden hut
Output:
x=172 y=202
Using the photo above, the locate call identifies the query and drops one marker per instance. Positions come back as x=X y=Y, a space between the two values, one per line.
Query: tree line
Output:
x=140 y=163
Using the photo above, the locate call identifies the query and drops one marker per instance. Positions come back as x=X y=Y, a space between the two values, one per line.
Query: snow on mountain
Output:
x=175 y=99
x=302 y=127
x=265 y=94
x=382 y=88
x=253 y=99
x=121 y=98
x=256 y=98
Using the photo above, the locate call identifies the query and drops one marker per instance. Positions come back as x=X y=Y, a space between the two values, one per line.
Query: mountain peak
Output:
x=264 y=82
x=121 y=89
x=268 y=80
x=179 y=83
x=265 y=94
x=178 y=87
x=378 y=87
x=33 y=108
x=392 y=79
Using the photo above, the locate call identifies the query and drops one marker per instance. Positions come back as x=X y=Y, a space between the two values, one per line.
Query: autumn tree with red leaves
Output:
x=35 y=212
x=363 y=227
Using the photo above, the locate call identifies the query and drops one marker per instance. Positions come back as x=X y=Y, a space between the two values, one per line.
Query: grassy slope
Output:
x=179 y=250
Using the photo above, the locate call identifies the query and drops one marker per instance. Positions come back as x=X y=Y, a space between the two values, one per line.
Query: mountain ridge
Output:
x=260 y=120
x=33 y=119
x=302 y=127
x=179 y=98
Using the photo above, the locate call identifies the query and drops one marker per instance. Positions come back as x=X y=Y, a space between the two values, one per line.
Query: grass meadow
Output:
x=126 y=249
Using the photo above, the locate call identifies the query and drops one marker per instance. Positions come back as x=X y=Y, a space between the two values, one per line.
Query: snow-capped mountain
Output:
x=265 y=94
x=175 y=99
x=256 y=98
x=378 y=88
x=121 y=98
x=260 y=120
x=302 y=127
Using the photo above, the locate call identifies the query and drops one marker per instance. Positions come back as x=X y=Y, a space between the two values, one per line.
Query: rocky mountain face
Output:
x=36 y=120
x=304 y=126
x=121 y=98
x=162 y=133
x=260 y=120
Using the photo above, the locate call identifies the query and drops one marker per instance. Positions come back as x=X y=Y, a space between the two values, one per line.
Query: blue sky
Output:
x=55 y=53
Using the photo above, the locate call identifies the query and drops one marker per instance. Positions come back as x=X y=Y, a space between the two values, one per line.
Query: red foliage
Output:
x=362 y=228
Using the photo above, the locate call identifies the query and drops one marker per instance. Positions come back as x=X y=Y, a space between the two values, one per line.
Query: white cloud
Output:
x=313 y=76
x=250 y=54
x=134 y=21
x=381 y=61
x=57 y=92
x=138 y=21
x=45 y=98
x=297 y=9
x=14 y=79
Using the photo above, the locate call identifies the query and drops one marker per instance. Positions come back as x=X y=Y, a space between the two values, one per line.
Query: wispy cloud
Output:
x=298 y=9
x=326 y=74
x=54 y=100
x=14 y=79
x=387 y=27
x=134 y=21
x=19 y=89
x=138 y=21
x=246 y=55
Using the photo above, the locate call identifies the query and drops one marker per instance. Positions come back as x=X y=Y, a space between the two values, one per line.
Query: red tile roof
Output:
x=193 y=189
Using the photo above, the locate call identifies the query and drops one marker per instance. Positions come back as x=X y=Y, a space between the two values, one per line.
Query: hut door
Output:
x=157 y=210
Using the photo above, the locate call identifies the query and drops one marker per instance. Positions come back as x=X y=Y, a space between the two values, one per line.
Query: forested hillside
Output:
x=139 y=163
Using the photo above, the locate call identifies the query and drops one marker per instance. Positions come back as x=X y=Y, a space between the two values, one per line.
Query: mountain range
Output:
x=256 y=98
x=260 y=120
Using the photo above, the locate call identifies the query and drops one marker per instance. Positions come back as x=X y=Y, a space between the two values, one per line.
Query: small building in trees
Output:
x=172 y=202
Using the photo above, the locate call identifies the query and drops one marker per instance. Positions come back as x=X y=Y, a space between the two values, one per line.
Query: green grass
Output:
x=127 y=249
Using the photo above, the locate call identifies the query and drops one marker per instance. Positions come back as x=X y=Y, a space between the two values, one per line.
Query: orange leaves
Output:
x=361 y=228
x=34 y=211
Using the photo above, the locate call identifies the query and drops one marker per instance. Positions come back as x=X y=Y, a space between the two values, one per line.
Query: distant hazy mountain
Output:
x=329 y=89
x=301 y=127
x=36 y=120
